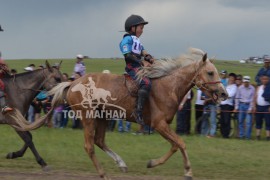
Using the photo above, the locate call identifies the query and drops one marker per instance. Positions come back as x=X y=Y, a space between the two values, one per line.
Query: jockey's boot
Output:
x=142 y=96
x=3 y=105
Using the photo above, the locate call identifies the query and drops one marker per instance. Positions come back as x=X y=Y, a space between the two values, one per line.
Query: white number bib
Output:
x=136 y=46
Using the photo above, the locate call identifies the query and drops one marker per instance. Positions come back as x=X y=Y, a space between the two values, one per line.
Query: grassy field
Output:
x=63 y=150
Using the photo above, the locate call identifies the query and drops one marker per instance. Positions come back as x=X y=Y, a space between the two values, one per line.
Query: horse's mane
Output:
x=164 y=67
x=20 y=74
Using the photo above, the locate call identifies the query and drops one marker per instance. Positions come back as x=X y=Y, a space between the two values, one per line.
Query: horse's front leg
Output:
x=100 y=133
x=89 y=135
x=27 y=138
x=163 y=128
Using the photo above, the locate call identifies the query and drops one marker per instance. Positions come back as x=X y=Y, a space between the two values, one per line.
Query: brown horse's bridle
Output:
x=202 y=85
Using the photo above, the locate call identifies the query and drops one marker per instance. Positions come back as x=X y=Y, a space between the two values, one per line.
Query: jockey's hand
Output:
x=146 y=63
x=149 y=58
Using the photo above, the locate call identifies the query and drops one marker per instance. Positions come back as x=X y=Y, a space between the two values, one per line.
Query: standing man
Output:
x=264 y=70
x=183 y=117
x=227 y=106
x=223 y=77
x=262 y=109
x=244 y=104
x=199 y=104
x=79 y=66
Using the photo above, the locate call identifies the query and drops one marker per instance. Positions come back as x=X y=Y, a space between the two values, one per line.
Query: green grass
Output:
x=213 y=158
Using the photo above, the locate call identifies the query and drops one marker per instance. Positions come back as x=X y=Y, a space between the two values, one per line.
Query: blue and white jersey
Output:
x=131 y=44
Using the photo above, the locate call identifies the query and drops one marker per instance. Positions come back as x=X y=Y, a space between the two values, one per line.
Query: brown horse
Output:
x=171 y=80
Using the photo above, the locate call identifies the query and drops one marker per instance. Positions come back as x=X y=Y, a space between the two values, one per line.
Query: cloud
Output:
x=61 y=29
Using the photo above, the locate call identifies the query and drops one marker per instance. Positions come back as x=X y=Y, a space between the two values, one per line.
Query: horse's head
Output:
x=208 y=80
x=52 y=76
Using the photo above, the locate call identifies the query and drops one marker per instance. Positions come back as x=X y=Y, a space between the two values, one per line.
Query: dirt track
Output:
x=9 y=175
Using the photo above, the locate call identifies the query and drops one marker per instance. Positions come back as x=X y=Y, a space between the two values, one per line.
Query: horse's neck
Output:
x=24 y=88
x=181 y=80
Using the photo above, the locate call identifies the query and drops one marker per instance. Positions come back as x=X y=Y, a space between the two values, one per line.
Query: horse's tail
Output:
x=59 y=95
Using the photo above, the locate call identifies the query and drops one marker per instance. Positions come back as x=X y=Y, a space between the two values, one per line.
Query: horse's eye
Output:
x=211 y=73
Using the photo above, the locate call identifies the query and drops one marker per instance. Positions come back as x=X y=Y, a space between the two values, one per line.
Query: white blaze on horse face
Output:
x=93 y=98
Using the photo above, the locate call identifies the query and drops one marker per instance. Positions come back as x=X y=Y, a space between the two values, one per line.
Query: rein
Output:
x=31 y=89
x=202 y=85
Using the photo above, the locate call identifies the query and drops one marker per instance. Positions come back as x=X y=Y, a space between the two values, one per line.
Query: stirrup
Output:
x=6 y=109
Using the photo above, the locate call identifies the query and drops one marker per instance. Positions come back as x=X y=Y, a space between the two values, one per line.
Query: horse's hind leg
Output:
x=163 y=128
x=100 y=142
x=89 y=135
x=27 y=138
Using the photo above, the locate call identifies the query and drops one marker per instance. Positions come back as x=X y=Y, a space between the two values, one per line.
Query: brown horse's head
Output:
x=52 y=76
x=208 y=80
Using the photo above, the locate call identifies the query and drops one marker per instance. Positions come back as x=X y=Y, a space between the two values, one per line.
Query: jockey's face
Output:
x=138 y=31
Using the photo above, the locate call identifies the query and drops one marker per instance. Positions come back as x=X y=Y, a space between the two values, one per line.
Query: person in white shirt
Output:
x=262 y=109
x=199 y=104
x=227 y=106
x=183 y=116
x=79 y=66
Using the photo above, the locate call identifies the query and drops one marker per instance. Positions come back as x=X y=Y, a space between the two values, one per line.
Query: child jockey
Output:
x=133 y=51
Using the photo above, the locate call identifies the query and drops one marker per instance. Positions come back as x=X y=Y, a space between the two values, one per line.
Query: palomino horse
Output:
x=171 y=80
x=21 y=89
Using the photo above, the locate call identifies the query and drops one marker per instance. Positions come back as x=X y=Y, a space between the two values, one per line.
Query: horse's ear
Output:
x=48 y=66
x=60 y=64
x=204 y=57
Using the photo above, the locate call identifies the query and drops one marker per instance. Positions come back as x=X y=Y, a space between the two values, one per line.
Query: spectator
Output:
x=58 y=116
x=79 y=66
x=262 y=109
x=31 y=110
x=13 y=71
x=66 y=107
x=65 y=77
x=40 y=103
x=184 y=115
x=239 y=80
x=264 y=70
x=209 y=110
x=227 y=106
x=223 y=77
x=199 y=104
x=31 y=67
x=77 y=75
x=244 y=104
x=121 y=128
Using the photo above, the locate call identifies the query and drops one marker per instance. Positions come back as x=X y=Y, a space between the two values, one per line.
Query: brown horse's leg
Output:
x=89 y=134
x=163 y=128
x=100 y=142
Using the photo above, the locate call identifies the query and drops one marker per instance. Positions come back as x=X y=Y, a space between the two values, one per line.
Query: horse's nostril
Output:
x=223 y=94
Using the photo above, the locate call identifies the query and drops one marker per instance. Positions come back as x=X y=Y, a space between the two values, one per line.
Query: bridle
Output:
x=201 y=85
x=45 y=79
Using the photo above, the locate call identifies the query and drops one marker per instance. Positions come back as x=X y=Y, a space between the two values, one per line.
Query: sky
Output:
x=226 y=29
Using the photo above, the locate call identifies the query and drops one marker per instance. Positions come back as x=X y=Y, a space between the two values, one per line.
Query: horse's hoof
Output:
x=105 y=177
x=9 y=156
x=124 y=169
x=150 y=164
x=188 y=178
x=46 y=168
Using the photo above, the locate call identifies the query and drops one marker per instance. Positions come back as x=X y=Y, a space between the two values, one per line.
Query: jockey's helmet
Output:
x=134 y=20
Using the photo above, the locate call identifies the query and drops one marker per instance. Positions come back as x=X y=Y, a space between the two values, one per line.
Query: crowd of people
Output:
x=249 y=103
x=245 y=100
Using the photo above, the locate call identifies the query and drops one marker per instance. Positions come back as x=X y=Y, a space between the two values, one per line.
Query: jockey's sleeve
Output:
x=131 y=58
